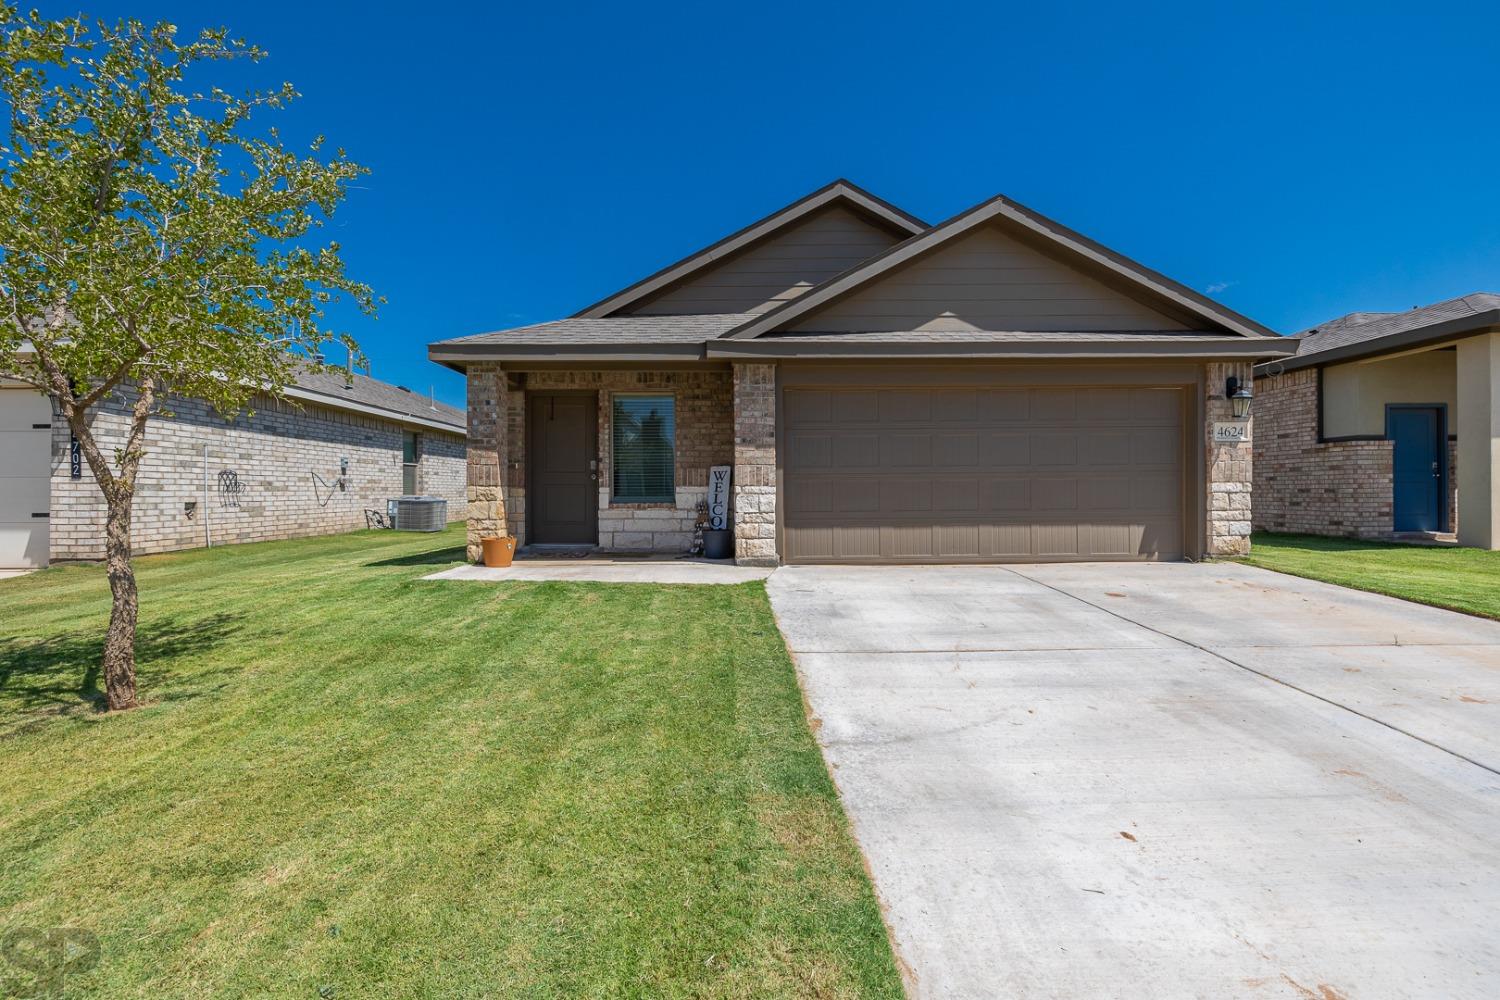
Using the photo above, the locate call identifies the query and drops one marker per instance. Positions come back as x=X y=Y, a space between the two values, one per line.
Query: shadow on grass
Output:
x=436 y=557
x=1326 y=543
x=61 y=674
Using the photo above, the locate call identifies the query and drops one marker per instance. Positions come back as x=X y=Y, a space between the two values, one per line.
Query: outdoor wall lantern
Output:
x=1239 y=397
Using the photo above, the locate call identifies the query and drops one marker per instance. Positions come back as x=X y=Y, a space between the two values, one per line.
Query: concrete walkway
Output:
x=1164 y=780
x=605 y=570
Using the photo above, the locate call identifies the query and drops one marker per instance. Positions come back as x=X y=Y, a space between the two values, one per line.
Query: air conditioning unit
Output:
x=417 y=513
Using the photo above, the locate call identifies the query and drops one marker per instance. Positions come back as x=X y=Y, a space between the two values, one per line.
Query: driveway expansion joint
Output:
x=1272 y=677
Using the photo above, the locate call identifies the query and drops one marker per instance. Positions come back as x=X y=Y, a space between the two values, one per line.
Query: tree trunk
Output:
x=119 y=642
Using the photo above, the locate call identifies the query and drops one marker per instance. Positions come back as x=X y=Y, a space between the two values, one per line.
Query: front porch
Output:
x=549 y=431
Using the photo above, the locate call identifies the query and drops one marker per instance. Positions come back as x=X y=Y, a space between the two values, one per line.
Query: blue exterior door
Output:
x=1417 y=435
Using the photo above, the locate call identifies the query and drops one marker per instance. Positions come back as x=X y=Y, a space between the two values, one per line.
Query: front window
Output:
x=411 y=457
x=644 y=438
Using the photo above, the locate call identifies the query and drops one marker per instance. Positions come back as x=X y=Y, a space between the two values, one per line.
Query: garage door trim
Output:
x=1184 y=376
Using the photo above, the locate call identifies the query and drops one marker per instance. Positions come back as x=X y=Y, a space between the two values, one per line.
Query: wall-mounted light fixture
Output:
x=1239 y=397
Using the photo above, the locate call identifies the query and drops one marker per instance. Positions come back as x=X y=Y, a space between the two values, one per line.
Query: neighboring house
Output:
x=309 y=465
x=996 y=387
x=1385 y=425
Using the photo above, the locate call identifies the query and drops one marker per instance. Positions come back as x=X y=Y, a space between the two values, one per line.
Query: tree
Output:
x=151 y=246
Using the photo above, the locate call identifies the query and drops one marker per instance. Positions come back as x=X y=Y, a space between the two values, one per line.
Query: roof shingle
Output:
x=371 y=392
x=1363 y=327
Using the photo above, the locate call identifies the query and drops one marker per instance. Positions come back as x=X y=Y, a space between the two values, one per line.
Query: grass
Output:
x=348 y=782
x=1466 y=580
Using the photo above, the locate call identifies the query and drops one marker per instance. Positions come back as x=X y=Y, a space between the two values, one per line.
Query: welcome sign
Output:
x=718 y=497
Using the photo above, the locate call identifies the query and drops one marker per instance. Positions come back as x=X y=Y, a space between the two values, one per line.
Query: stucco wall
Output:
x=283 y=456
x=1355 y=394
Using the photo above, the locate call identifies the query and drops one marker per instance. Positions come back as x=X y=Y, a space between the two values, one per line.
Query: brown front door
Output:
x=562 y=454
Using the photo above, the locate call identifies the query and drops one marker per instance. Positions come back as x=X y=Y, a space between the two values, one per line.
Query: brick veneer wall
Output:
x=274 y=451
x=1227 y=467
x=1303 y=485
x=704 y=436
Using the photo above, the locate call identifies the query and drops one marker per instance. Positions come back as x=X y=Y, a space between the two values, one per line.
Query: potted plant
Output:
x=499 y=551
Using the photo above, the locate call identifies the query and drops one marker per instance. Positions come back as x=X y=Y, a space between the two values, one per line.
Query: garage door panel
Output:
x=907 y=541
x=901 y=450
x=1005 y=450
x=1107 y=449
x=956 y=495
x=1156 y=446
x=809 y=496
x=956 y=406
x=1049 y=495
x=1114 y=539
x=810 y=451
x=810 y=406
x=855 y=407
x=1160 y=406
x=858 y=542
x=1008 y=495
x=1054 y=449
x=956 y=541
x=1101 y=493
x=855 y=451
x=1004 y=406
x=955 y=450
x=905 y=406
x=1103 y=406
x=856 y=496
x=905 y=495
x=23 y=544
x=1056 y=539
x=1054 y=405
x=1044 y=473
x=1005 y=541
x=1161 y=494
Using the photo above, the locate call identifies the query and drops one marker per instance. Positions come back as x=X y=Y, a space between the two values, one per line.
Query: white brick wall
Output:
x=274 y=452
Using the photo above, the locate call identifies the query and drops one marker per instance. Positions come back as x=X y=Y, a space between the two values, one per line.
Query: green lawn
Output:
x=1461 y=579
x=351 y=783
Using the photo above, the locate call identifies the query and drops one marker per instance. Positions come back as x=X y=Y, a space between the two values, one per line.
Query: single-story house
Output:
x=995 y=387
x=1385 y=425
x=338 y=445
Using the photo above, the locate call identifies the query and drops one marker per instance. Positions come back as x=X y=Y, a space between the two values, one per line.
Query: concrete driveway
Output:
x=1163 y=780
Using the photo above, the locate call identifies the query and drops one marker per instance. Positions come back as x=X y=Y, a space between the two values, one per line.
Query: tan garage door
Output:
x=979 y=474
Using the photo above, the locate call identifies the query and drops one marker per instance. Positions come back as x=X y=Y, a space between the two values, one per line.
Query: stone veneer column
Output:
x=487 y=454
x=1227 y=467
x=755 y=464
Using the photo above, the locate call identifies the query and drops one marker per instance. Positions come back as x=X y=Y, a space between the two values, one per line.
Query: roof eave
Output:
x=1145 y=348
x=1458 y=327
x=394 y=416
x=455 y=355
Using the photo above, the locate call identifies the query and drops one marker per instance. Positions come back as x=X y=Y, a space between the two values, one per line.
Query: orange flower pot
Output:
x=498 y=552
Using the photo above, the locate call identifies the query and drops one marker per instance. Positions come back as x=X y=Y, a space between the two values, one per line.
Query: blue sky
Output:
x=1297 y=162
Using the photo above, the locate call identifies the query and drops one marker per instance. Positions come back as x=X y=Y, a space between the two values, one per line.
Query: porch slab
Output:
x=608 y=570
